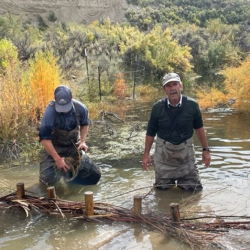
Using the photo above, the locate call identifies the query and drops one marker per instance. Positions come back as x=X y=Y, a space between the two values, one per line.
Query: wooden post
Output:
x=87 y=67
x=99 y=82
x=89 y=204
x=175 y=213
x=137 y=204
x=20 y=190
x=134 y=75
x=51 y=192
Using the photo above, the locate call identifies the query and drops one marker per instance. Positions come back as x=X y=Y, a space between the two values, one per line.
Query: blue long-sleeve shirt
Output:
x=67 y=122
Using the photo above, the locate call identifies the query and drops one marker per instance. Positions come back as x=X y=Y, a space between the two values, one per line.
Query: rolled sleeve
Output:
x=84 y=117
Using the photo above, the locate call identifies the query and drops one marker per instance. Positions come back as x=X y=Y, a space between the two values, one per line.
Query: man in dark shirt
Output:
x=173 y=120
x=62 y=132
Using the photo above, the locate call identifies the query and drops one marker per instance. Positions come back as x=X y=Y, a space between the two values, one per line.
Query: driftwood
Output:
x=198 y=235
x=106 y=119
x=108 y=115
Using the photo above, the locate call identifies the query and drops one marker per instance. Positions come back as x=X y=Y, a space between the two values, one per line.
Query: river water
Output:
x=118 y=151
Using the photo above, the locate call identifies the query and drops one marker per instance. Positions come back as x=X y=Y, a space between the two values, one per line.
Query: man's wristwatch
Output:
x=205 y=149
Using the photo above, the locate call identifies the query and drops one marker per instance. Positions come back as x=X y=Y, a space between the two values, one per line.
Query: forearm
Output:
x=146 y=161
x=206 y=157
x=83 y=132
x=148 y=144
x=48 y=146
x=59 y=161
x=201 y=134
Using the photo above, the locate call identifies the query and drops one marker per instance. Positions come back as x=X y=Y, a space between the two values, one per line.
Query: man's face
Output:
x=173 y=91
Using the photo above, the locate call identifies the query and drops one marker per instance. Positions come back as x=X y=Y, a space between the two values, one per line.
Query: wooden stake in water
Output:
x=89 y=204
x=51 y=192
x=137 y=204
x=175 y=213
x=20 y=190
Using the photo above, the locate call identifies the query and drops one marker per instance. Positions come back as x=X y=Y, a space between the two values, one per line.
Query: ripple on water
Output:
x=226 y=192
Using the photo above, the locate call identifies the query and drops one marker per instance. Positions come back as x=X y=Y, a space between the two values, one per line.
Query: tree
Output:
x=162 y=53
x=44 y=77
x=14 y=99
x=237 y=84
x=8 y=56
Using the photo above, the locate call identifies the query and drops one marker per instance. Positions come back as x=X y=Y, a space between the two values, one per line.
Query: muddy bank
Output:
x=115 y=138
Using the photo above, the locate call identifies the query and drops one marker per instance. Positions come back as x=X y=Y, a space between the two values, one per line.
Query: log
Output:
x=89 y=204
x=20 y=190
x=51 y=192
x=137 y=204
x=175 y=213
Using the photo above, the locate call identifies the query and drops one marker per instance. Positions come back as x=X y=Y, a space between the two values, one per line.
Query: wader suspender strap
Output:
x=175 y=117
x=77 y=113
x=57 y=125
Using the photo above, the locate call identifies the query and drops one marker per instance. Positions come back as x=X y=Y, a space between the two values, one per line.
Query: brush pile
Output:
x=192 y=231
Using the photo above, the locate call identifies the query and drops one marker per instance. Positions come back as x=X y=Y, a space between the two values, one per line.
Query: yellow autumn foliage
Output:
x=8 y=55
x=237 y=84
x=211 y=98
x=44 y=78
x=14 y=106
x=25 y=91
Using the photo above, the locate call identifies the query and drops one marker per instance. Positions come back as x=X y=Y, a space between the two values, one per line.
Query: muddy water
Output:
x=118 y=152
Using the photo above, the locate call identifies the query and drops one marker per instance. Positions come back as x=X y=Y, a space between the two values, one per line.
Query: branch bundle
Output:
x=196 y=234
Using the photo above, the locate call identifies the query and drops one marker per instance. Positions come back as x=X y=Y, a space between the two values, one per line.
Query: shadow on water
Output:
x=226 y=192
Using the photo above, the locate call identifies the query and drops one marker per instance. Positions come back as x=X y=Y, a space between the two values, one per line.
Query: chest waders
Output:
x=83 y=170
x=176 y=164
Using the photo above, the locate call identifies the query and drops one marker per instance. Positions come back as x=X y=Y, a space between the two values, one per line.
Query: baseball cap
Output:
x=170 y=77
x=63 y=99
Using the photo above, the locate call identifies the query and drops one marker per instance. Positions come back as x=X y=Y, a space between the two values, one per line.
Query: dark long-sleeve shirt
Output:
x=160 y=122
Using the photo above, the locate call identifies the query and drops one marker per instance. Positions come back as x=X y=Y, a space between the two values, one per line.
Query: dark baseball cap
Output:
x=63 y=99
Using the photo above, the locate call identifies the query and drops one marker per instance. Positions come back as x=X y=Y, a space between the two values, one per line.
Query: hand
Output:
x=146 y=162
x=61 y=165
x=82 y=145
x=206 y=158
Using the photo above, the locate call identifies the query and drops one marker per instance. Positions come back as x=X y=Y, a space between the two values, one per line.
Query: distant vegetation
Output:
x=197 y=12
x=207 y=42
x=218 y=35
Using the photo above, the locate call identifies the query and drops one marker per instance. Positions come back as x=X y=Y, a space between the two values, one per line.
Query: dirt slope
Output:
x=67 y=10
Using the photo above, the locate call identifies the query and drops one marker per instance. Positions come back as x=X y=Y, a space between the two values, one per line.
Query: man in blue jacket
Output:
x=173 y=120
x=63 y=133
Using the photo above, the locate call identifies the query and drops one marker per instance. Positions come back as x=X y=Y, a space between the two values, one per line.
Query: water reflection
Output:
x=226 y=192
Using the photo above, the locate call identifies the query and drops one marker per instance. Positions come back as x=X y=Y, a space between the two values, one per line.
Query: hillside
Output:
x=141 y=13
x=81 y=11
